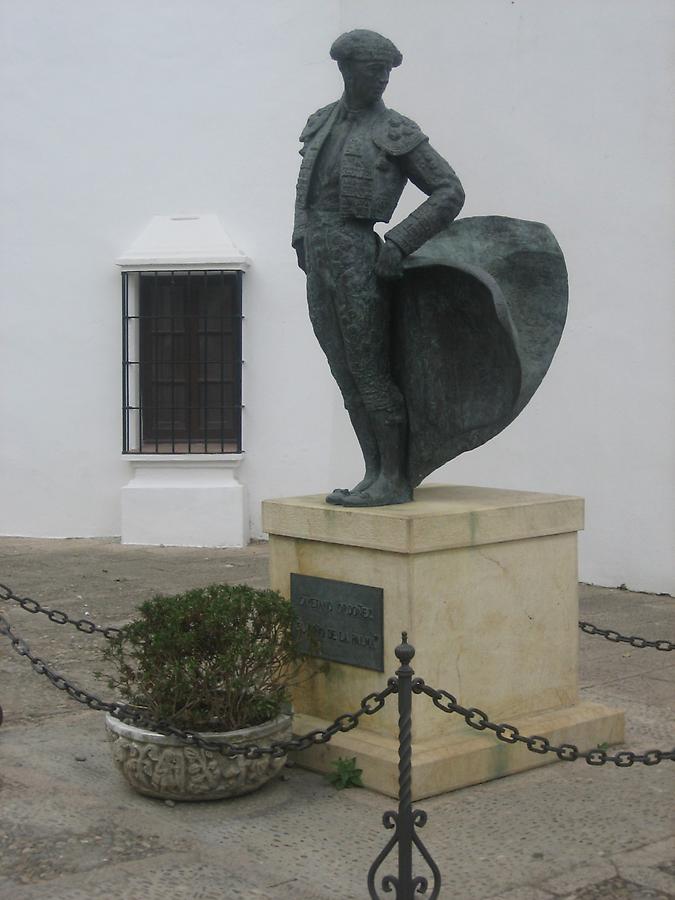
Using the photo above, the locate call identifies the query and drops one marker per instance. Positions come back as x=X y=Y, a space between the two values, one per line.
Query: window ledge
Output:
x=201 y=460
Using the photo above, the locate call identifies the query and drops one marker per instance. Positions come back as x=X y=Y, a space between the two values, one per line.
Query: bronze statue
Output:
x=423 y=346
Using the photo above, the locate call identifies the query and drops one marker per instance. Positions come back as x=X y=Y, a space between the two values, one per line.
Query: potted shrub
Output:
x=215 y=660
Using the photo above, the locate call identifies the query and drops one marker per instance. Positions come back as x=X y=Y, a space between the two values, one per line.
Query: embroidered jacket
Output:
x=382 y=152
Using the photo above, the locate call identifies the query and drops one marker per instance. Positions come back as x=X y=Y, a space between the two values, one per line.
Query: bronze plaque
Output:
x=344 y=620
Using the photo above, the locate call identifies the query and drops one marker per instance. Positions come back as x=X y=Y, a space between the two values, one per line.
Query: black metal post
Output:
x=406 y=819
x=405 y=827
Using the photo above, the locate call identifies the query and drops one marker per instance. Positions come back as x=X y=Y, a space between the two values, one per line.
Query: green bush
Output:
x=211 y=659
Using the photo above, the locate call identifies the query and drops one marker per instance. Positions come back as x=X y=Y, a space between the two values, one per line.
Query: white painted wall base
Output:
x=185 y=501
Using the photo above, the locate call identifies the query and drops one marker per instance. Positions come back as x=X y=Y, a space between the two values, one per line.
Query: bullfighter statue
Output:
x=420 y=330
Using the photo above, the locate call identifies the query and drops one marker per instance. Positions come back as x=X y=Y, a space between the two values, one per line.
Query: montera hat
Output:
x=365 y=45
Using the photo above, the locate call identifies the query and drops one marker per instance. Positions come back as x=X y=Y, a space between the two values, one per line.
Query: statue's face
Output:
x=365 y=80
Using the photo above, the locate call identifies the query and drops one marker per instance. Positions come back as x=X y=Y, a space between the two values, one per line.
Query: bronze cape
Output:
x=477 y=318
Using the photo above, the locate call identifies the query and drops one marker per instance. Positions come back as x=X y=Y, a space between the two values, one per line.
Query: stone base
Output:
x=447 y=764
x=485 y=583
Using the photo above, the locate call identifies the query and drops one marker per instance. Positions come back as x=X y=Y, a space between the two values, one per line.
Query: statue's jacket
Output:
x=382 y=152
x=479 y=311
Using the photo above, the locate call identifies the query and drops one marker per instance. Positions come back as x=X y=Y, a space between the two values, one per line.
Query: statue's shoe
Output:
x=366 y=498
x=337 y=496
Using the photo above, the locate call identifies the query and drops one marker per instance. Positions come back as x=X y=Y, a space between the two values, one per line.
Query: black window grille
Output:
x=182 y=362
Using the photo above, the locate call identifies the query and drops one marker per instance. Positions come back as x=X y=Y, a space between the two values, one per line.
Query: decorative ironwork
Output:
x=109 y=631
x=509 y=734
x=616 y=638
x=403 y=822
x=86 y=626
x=182 y=360
x=406 y=820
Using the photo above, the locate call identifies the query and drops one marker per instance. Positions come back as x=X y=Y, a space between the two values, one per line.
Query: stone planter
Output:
x=162 y=766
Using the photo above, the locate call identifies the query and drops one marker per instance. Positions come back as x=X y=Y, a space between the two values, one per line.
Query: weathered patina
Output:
x=438 y=335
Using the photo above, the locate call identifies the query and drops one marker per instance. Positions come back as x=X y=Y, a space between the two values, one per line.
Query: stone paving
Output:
x=70 y=829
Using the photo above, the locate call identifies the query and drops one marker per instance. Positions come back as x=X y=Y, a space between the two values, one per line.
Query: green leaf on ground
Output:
x=346 y=774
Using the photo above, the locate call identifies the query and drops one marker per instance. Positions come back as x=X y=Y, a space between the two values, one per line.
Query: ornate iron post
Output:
x=406 y=819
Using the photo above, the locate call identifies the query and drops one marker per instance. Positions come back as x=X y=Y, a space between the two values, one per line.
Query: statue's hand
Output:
x=300 y=253
x=389 y=262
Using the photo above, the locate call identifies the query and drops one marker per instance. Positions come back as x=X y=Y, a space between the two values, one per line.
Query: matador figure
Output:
x=357 y=158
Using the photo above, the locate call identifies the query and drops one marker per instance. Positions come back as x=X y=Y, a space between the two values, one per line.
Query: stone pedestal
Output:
x=485 y=583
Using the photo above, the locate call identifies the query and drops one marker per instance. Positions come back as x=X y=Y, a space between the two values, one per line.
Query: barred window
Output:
x=182 y=362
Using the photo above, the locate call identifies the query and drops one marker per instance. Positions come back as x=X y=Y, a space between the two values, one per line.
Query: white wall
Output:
x=552 y=111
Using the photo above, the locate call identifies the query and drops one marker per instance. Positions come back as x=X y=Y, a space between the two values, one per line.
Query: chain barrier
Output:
x=370 y=704
x=616 y=638
x=406 y=821
x=56 y=615
x=509 y=734
x=88 y=627
x=474 y=717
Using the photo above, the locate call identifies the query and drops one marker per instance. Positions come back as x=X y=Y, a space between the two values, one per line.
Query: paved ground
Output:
x=71 y=830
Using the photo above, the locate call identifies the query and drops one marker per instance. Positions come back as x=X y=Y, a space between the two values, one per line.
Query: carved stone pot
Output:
x=159 y=765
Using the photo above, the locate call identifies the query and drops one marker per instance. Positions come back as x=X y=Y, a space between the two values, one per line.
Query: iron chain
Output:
x=611 y=635
x=509 y=734
x=89 y=627
x=56 y=615
x=370 y=705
